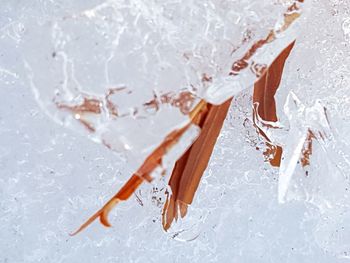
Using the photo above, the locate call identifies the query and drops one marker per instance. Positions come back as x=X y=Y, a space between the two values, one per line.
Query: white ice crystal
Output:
x=62 y=52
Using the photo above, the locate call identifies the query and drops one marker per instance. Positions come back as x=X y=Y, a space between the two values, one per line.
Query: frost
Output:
x=126 y=74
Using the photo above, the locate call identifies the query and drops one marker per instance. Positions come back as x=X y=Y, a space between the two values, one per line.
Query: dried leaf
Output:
x=190 y=167
x=143 y=173
x=265 y=88
x=264 y=94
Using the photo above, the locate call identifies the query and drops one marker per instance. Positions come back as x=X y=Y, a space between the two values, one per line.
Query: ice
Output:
x=53 y=178
x=147 y=51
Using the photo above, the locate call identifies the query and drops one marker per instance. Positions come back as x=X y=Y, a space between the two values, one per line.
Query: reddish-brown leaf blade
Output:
x=190 y=167
x=264 y=94
x=143 y=173
x=265 y=88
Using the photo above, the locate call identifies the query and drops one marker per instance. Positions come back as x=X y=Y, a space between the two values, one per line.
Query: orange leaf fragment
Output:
x=265 y=88
x=307 y=149
x=264 y=94
x=190 y=167
x=143 y=173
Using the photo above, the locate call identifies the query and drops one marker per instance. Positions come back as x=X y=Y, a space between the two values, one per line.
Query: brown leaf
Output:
x=264 y=94
x=143 y=173
x=265 y=88
x=190 y=167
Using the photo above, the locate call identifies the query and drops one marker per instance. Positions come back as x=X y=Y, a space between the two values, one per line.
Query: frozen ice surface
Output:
x=107 y=62
x=52 y=178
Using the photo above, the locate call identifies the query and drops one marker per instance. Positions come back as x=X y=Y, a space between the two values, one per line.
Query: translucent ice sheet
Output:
x=127 y=73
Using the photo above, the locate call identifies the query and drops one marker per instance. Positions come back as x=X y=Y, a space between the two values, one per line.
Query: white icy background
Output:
x=52 y=179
